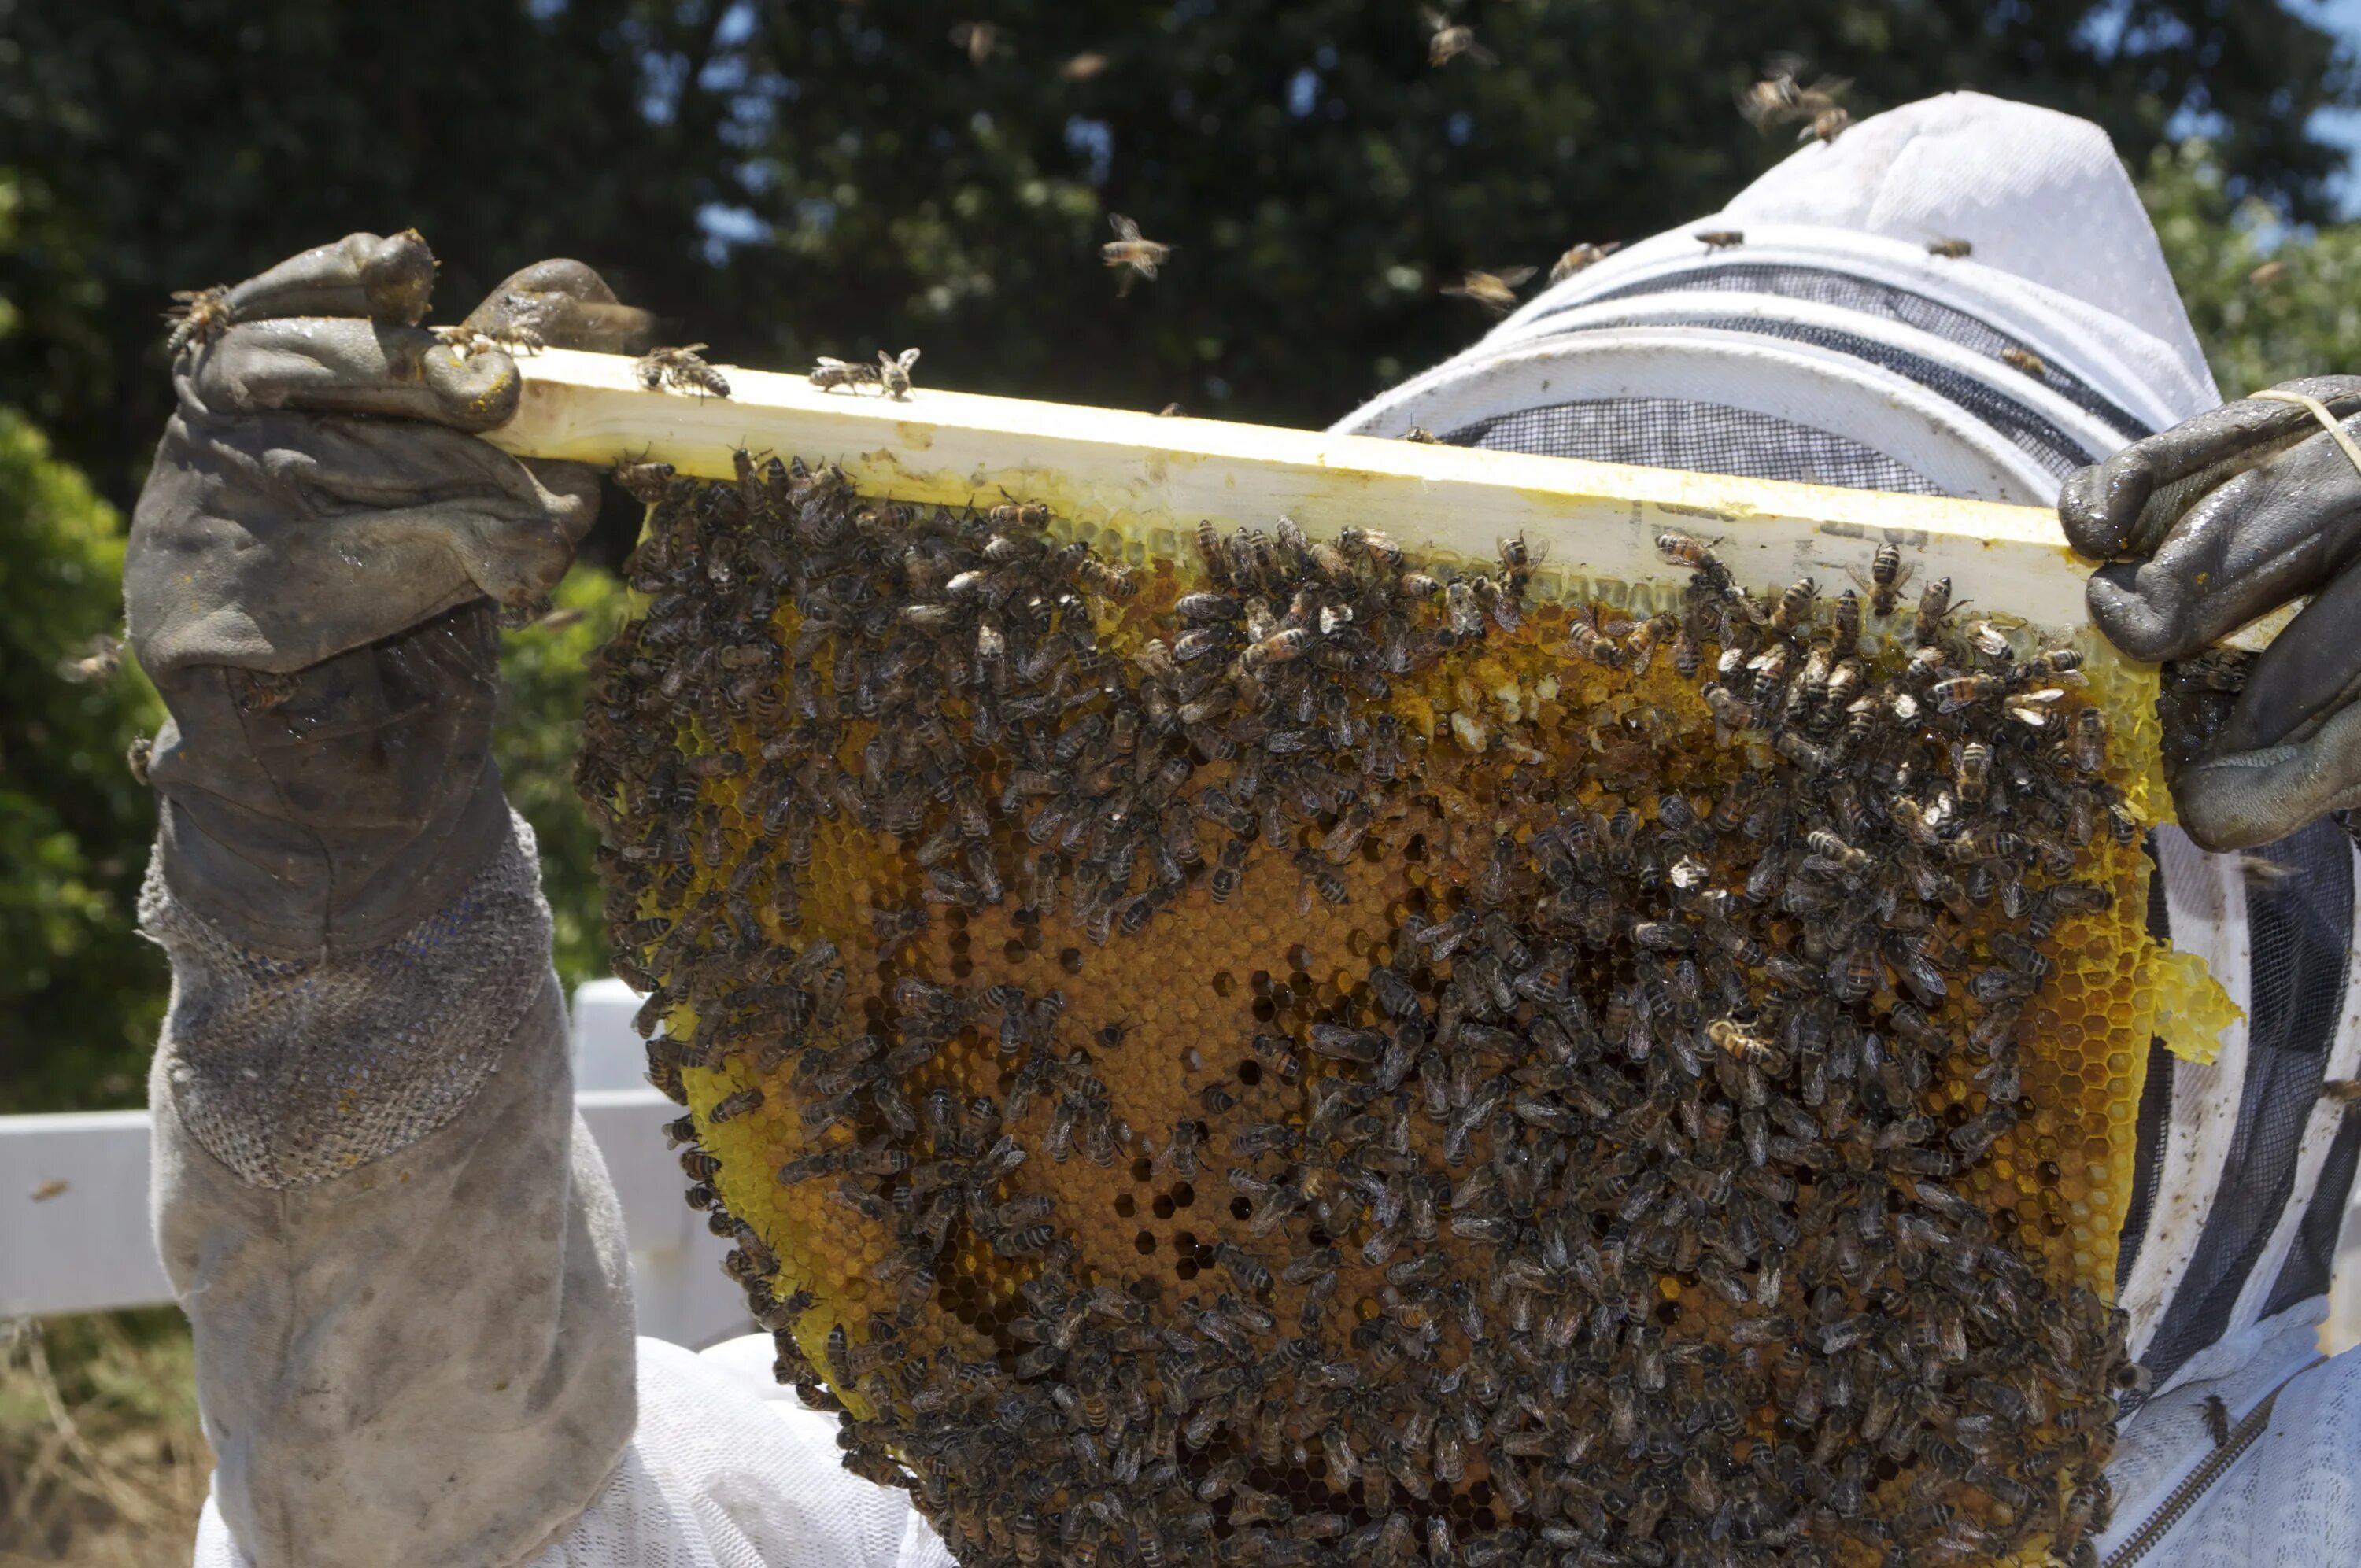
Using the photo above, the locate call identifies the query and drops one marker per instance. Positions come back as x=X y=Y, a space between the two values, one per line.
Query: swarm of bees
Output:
x=1779 y=99
x=890 y=375
x=1308 y=1054
x=680 y=370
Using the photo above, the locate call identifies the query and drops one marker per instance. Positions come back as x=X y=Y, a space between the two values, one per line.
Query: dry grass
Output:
x=102 y=1464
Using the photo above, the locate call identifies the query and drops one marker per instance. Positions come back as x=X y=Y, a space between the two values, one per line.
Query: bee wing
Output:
x=1785 y=65
x=1434 y=19
x=1479 y=54
x=827 y=364
x=1515 y=276
x=909 y=356
x=1124 y=227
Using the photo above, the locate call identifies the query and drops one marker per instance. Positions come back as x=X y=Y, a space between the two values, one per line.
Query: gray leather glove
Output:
x=2205 y=527
x=315 y=567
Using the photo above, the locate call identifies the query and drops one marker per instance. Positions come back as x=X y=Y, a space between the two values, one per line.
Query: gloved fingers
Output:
x=2126 y=506
x=2311 y=670
x=2241 y=799
x=286 y=539
x=344 y=365
x=510 y=526
x=560 y=304
x=388 y=279
x=2266 y=536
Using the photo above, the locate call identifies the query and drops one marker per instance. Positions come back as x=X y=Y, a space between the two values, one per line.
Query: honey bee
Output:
x=1951 y=249
x=96 y=665
x=976 y=39
x=1141 y=257
x=1683 y=550
x=894 y=373
x=680 y=370
x=1422 y=435
x=198 y=316
x=2024 y=359
x=1579 y=257
x=732 y=1107
x=1934 y=604
x=2217 y=1419
x=1887 y=576
x=1447 y=40
x=1495 y=291
x=2343 y=1091
x=1721 y=239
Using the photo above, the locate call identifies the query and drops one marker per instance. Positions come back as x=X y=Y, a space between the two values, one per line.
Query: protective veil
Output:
x=1834 y=346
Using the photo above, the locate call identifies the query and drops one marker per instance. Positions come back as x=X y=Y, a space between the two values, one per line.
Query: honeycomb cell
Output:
x=1230 y=1028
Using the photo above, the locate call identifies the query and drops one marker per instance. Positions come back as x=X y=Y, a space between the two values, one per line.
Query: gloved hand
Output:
x=2205 y=527
x=314 y=570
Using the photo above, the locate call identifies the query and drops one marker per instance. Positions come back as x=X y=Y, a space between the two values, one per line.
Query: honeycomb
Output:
x=1285 y=1051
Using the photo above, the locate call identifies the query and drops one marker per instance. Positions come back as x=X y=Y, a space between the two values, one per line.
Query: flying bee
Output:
x=1779 y=98
x=198 y=316
x=1721 y=239
x=96 y=665
x=978 y=41
x=1581 y=255
x=1495 y=291
x=1447 y=40
x=1128 y=249
x=2024 y=359
x=680 y=370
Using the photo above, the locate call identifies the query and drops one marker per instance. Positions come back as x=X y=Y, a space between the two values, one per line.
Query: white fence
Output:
x=73 y=1202
x=73 y=1198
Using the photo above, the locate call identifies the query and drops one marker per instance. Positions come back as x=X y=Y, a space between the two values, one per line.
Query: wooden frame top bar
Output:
x=1142 y=474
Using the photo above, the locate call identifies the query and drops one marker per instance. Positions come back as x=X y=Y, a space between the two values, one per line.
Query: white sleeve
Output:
x=727 y=1471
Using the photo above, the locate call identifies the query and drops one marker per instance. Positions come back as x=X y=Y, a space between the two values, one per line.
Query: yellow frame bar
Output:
x=1142 y=474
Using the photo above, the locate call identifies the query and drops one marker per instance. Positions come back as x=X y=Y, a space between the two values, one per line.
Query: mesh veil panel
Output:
x=2312 y=1258
x=2026 y=427
x=1706 y=438
x=2299 y=930
x=1888 y=302
x=2155 y=1107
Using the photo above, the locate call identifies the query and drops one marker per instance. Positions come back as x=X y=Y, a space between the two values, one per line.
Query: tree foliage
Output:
x=2270 y=301
x=79 y=993
x=863 y=181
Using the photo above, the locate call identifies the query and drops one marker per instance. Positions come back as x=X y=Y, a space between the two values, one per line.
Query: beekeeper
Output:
x=396 y=1242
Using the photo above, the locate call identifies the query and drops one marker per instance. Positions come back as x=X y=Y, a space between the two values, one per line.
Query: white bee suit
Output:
x=404 y=1271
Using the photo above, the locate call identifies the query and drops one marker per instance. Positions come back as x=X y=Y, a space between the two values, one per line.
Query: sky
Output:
x=2344 y=125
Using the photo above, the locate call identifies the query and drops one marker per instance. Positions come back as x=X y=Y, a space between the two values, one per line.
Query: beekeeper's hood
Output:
x=1833 y=345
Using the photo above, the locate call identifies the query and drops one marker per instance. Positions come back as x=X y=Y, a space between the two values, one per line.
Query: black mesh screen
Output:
x=2155 y=1122
x=1827 y=285
x=1706 y=438
x=2299 y=931
x=2036 y=435
x=2312 y=1257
